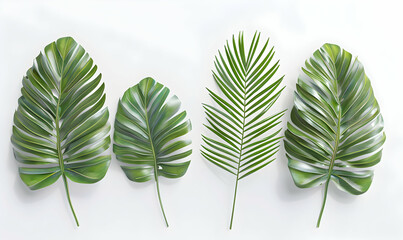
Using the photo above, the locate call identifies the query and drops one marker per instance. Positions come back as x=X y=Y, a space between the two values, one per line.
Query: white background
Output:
x=175 y=42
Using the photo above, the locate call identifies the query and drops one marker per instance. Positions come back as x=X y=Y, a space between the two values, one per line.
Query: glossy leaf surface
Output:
x=246 y=135
x=336 y=128
x=61 y=128
x=148 y=134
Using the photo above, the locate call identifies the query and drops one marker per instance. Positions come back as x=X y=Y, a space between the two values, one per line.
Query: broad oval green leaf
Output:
x=148 y=134
x=60 y=127
x=336 y=128
x=246 y=136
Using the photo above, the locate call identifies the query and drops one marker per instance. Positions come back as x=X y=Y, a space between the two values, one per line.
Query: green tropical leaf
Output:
x=148 y=131
x=336 y=129
x=60 y=127
x=240 y=123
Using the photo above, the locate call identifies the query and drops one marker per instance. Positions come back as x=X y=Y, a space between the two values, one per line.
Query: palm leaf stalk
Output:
x=242 y=145
x=336 y=128
x=148 y=134
x=60 y=127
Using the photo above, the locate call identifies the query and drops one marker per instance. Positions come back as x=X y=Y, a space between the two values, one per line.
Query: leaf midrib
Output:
x=151 y=142
x=336 y=145
x=58 y=142
x=242 y=131
x=240 y=149
x=335 y=148
x=154 y=157
x=337 y=139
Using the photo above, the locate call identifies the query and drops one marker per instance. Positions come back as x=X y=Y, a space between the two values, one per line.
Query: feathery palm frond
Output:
x=240 y=123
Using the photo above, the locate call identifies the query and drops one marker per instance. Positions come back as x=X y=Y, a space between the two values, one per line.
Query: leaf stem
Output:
x=240 y=155
x=69 y=200
x=329 y=174
x=323 y=204
x=155 y=164
x=159 y=198
x=61 y=161
x=233 y=204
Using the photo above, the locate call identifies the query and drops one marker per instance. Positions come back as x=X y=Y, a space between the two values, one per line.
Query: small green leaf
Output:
x=148 y=132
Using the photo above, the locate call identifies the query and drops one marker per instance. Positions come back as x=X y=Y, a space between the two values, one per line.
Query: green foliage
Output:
x=61 y=128
x=148 y=131
x=240 y=123
x=336 y=129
